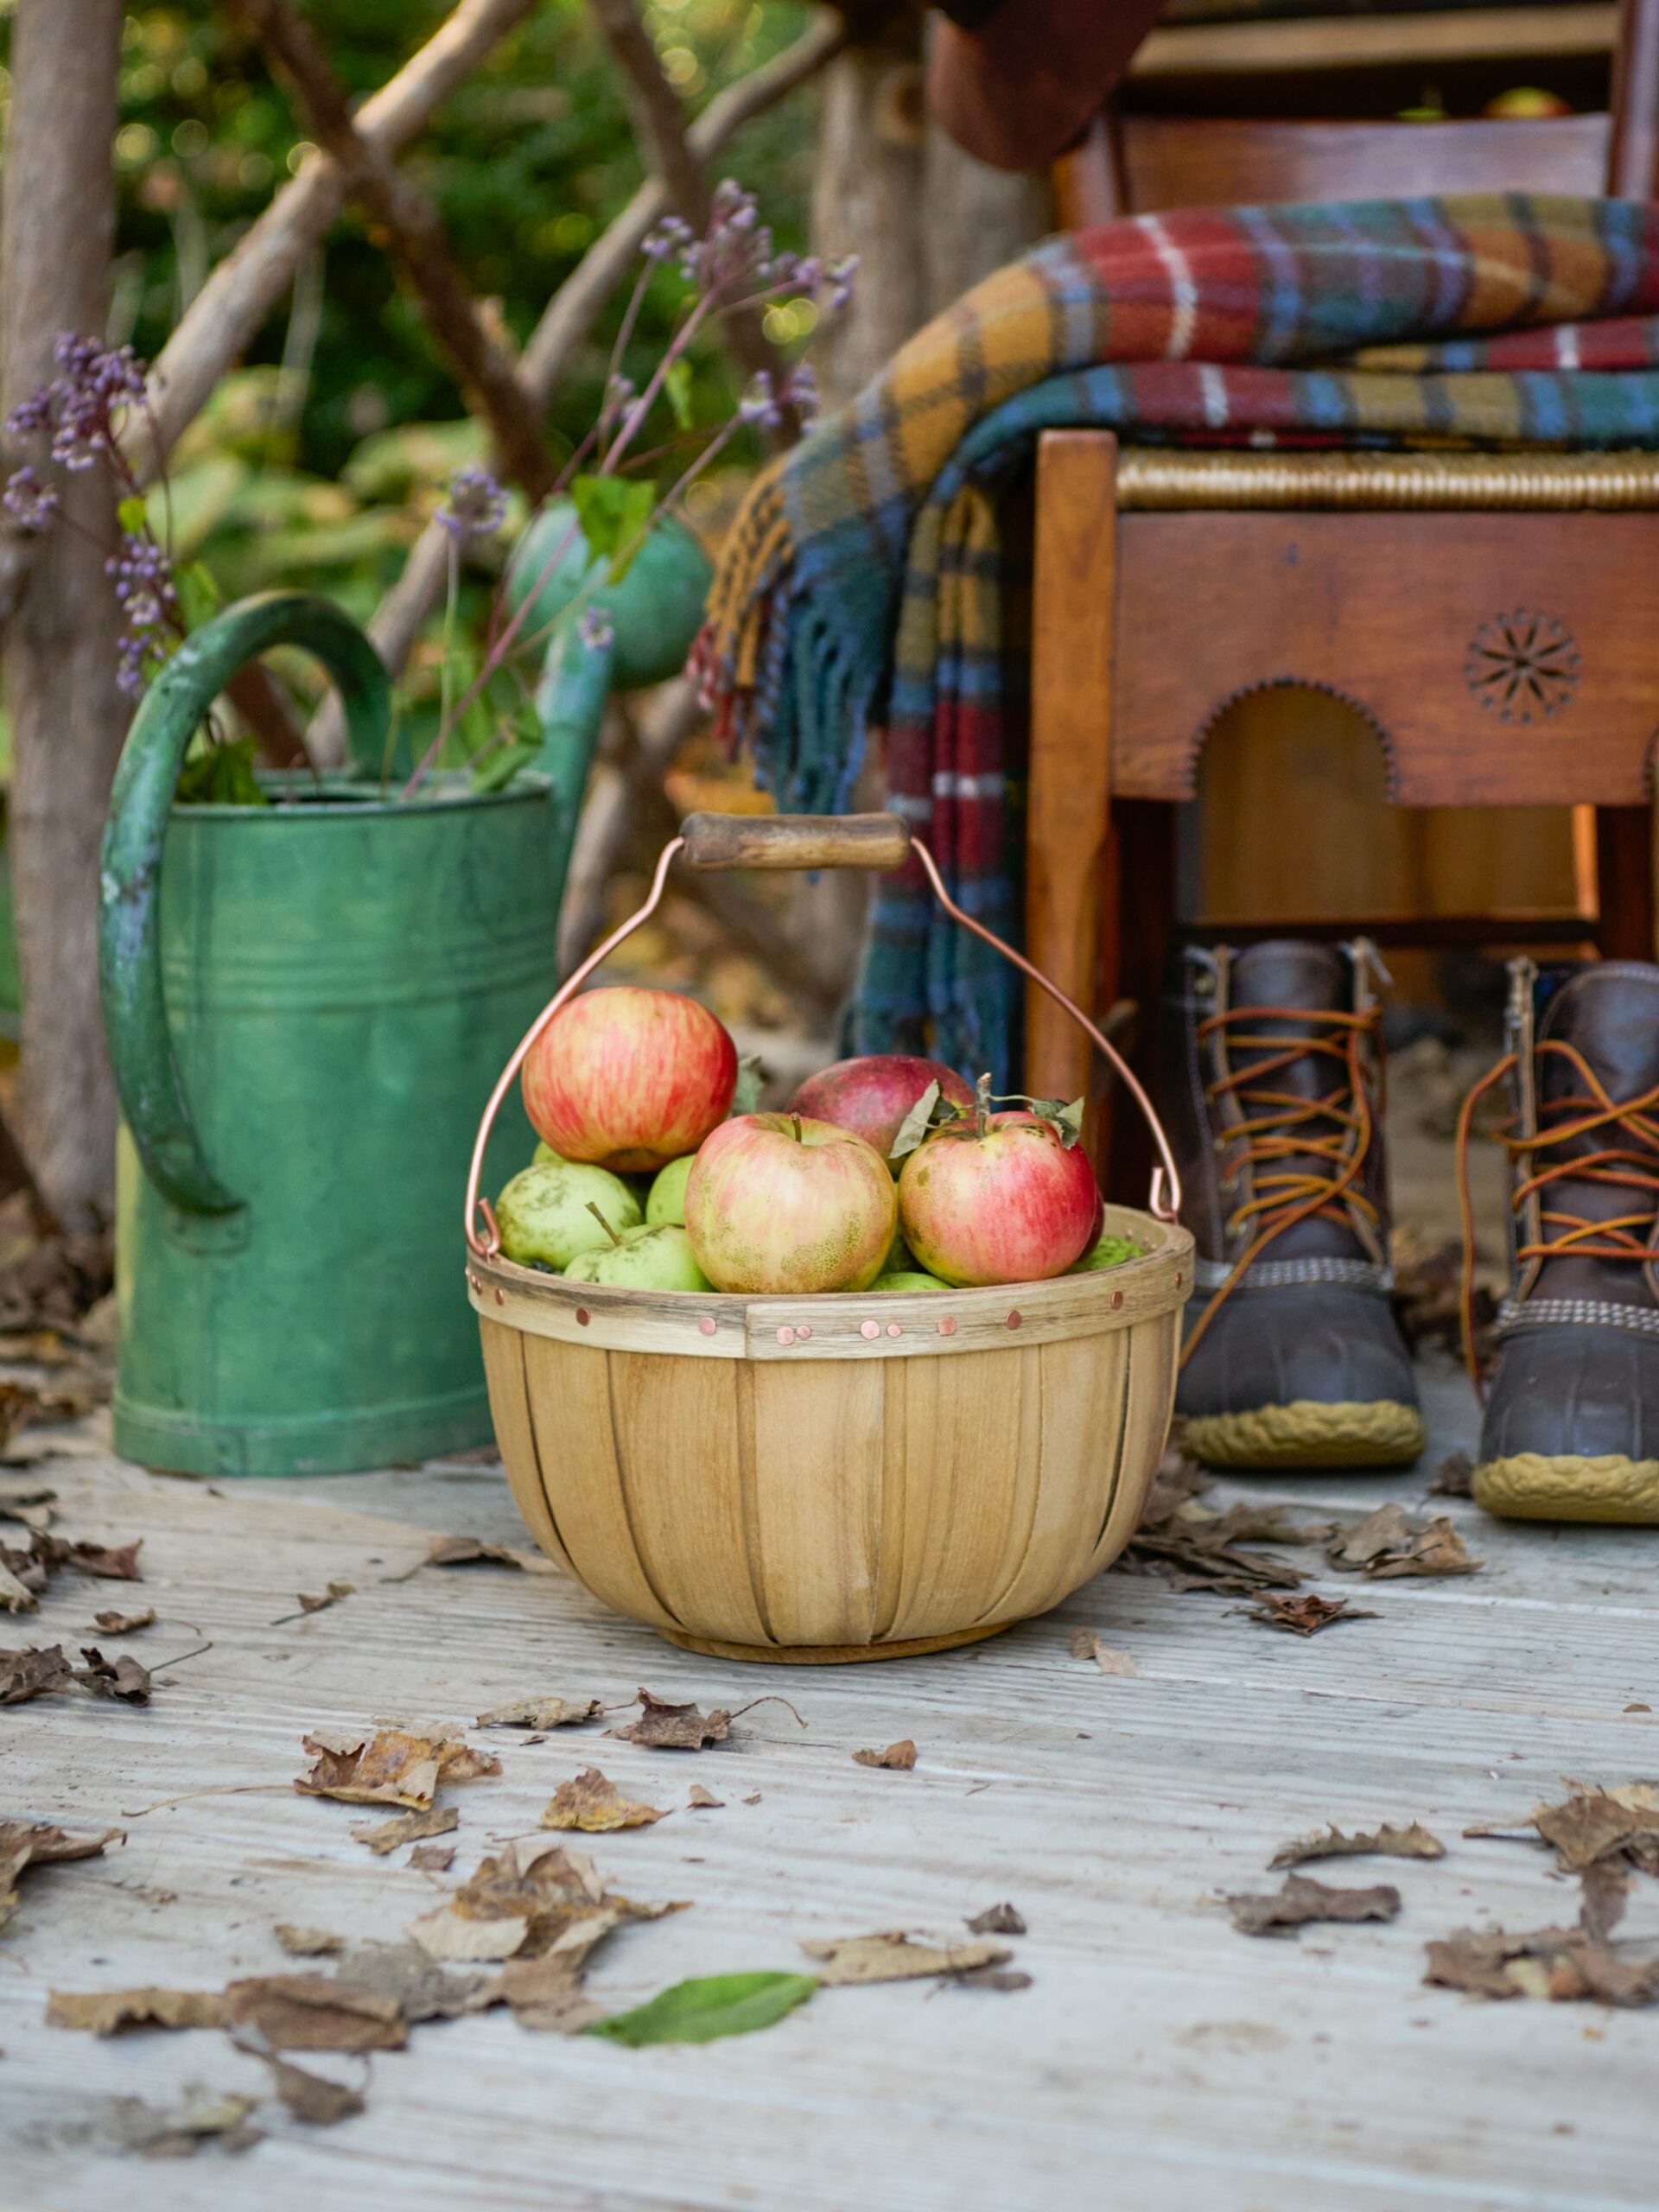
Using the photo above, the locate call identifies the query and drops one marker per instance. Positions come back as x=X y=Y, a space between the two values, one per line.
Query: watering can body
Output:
x=305 y=1003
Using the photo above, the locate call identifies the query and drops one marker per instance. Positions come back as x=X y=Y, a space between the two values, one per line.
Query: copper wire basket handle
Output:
x=712 y=842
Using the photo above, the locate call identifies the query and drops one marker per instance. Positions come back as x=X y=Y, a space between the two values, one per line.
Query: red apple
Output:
x=997 y=1199
x=629 y=1079
x=872 y=1095
x=779 y=1204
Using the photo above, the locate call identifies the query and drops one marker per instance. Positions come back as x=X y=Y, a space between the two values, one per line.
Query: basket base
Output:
x=829 y=1654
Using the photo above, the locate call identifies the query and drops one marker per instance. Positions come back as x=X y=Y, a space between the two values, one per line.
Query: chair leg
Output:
x=1624 y=863
x=1138 y=913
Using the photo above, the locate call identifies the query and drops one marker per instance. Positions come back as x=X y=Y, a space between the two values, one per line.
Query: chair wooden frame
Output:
x=1492 y=616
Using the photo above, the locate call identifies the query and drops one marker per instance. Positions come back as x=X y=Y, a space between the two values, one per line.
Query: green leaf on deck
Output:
x=712 y=2005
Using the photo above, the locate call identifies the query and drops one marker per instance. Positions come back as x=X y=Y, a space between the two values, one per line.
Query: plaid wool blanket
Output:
x=878 y=574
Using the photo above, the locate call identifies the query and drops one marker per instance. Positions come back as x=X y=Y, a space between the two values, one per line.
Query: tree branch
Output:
x=569 y=316
x=415 y=241
x=226 y=314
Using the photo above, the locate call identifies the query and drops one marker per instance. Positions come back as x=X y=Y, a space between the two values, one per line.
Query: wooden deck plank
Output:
x=1158 y=2059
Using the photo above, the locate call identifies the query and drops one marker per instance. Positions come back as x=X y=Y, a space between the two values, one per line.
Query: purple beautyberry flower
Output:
x=670 y=237
x=595 y=628
x=31 y=502
x=759 y=403
x=475 y=506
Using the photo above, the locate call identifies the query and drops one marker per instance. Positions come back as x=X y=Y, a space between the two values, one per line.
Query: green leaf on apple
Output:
x=751 y=1080
x=916 y=1124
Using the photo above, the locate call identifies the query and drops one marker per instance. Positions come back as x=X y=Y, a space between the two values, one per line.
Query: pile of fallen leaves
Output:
x=1191 y=1546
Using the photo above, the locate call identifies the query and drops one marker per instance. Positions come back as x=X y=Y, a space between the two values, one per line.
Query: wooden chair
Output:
x=1493 y=617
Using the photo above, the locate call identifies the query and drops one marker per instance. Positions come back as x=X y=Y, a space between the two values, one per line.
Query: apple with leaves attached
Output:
x=872 y=1095
x=629 y=1078
x=781 y=1205
x=994 y=1197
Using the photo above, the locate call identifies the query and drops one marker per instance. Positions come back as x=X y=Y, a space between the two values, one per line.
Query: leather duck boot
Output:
x=1572 y=1427
x=1294 y=1357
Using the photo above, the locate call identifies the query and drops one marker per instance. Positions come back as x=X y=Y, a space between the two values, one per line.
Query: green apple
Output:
x=1110 y=1252
x=907 y=1279
x=666 y=1205
x=900 y=1258
x=543 y=1214
x=658 y=1258
x=545 y=1156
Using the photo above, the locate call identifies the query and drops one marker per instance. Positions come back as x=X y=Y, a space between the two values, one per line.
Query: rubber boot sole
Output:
x=1530 y=1486
x=1307 y=1434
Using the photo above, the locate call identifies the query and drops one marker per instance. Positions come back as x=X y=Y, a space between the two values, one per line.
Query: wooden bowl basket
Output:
x=833 y=1477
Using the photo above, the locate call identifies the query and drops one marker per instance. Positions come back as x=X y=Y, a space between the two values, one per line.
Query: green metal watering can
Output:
x=305 y=1004
x=645 y=621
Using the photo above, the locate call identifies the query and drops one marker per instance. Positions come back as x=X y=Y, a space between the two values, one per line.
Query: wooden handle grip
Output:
x=795 y=841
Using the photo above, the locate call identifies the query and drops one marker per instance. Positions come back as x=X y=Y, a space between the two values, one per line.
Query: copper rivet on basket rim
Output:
x=583 y=1317
x=803 y=1332
x=786 y=1335
x=708 y=1325
x=1016 y=1318
x=500 y=1296
x=948 y=1326
x=1117 y=1298
x=870 y=1328
x=894 y=1328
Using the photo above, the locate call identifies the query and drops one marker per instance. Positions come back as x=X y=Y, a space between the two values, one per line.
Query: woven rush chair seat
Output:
x=1152 y=478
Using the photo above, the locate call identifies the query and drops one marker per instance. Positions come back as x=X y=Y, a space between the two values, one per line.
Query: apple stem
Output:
x=982 y=1103
x=603 y=1224
x=796 y=1118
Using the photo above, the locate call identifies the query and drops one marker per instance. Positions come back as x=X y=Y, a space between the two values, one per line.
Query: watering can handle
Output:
x=129 y=935
x=711 y=842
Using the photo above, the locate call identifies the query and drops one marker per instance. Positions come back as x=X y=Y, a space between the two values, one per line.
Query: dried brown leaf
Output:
x=900 y=1757
x=1085 y=1644
x=123 y=1678
x=420 y=1989
x=30 y=1504
x=391 y=1767
x=547 y=1994
x=107 y=2011
x=895 y=1956
x=594 y=1804
x=997 y=1919
x=38 y=1843
x=34 y=1670
x=1412 y=1842
x=114 y=1623
x=1302 y=1900
x=331 y=1596
x=1559 y=1965
x=1385 y=1546
x=203 y=2119
x=700 y=1798
x=1307 y=1615
x=473 y=1551
x=110 y=1562
x=310 y=2012
x=533 y=1896
x=310 y=2097
x=408 y=1828
x=308 y=1942
x=1592 y=1825
x=663 y=1727
x=1006 y=1978
x=432 y=1858
x=542 y=1712
x=16 y=1595
x=1455 y=1477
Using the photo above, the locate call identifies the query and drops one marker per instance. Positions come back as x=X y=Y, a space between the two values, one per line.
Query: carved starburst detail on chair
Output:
x=1523 y=666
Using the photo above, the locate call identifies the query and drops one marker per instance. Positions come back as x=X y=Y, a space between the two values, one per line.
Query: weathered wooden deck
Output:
x=1158 y=2059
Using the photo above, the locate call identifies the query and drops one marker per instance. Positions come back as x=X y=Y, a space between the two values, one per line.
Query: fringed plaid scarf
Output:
x=879 y=574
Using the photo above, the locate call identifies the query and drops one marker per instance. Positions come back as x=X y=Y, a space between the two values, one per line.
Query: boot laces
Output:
x=1307 y=1155
x=1627 y=1159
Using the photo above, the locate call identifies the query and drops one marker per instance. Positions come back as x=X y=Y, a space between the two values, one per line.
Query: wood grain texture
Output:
x=1073 y=767
x=795 y=841
x=844 y=1493
x=1215 y=162
x=1157 y=2060
x=1175 y=53
x=1385 y=611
